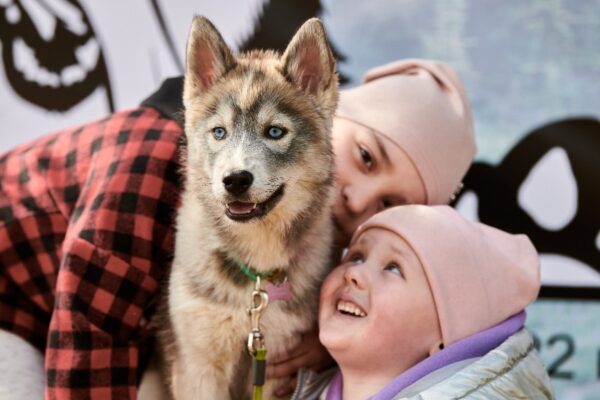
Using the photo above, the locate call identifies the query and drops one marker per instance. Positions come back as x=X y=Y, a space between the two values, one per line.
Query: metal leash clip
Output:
x=260 y=300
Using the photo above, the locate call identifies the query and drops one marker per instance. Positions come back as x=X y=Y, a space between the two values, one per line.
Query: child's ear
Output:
x=437 y=346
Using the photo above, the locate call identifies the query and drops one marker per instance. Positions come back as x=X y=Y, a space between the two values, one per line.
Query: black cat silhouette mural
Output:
x=53 y=57
x=279 y=20
x=50 y=52
x=548 y=187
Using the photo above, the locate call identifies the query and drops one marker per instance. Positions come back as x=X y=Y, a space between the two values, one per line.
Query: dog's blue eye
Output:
x=275 y=132
x=219 y=133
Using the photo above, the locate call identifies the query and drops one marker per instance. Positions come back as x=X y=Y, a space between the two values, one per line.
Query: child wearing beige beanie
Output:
x=429 y=305
x=404 y=136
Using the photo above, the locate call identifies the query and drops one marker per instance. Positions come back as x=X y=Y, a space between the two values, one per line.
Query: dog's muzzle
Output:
x=243 y=211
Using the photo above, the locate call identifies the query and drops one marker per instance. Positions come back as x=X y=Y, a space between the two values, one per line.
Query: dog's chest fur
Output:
x=209 y=299
x=259 y=177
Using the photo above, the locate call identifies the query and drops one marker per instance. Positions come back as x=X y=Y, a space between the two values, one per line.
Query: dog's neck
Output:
x=274 y=282
x=265 y=246
x=274 y=276
x=261 y=248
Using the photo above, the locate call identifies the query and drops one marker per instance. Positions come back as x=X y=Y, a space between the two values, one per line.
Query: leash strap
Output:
x=256 y=341
x=259 y=365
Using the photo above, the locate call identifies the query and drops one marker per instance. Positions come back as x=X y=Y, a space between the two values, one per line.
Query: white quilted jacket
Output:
x=513 y=371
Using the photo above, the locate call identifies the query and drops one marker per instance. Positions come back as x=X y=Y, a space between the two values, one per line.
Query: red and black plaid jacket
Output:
x=85 y=237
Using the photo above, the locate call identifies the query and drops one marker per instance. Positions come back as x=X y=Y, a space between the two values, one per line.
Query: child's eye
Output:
x=394 y=268
x=357 y=259
x=366 y=157
x=387 y=203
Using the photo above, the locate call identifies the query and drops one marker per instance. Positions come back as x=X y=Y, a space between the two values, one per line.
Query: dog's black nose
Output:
x=238 y=182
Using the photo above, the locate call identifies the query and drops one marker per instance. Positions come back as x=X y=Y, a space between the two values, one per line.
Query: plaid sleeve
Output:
x=120 y=192
x=92 y=350
x=31 y=232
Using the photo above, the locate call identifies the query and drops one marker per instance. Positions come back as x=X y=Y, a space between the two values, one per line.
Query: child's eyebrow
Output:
x=381 y=148
x=398 y=250
x=363 y=240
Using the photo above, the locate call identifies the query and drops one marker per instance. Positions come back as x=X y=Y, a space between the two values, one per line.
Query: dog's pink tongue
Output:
x=237 y=207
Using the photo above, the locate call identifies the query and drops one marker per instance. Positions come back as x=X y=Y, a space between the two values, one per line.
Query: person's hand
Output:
x=309 y=353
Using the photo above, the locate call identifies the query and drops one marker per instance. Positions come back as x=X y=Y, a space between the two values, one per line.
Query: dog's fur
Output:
x=203 y=341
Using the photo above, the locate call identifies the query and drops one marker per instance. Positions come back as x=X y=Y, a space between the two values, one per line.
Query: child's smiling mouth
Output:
x=350 y=308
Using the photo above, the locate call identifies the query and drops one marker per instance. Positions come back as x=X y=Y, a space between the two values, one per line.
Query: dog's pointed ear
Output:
x=308 y=61
x=207 y=58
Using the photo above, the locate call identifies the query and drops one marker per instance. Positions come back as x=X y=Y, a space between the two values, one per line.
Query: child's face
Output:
x=376 y=309
x=372 y=173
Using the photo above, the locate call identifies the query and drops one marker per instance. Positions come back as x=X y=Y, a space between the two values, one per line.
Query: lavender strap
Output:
x=476 y=345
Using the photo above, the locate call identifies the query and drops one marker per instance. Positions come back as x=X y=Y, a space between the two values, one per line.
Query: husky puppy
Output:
x=257 y=197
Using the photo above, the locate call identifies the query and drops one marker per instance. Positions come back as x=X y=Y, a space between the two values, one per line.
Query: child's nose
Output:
x=357 y=200
x=354 y=276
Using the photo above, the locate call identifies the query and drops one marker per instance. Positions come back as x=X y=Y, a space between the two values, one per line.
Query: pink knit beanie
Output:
x=421 y=106
x=479 y=275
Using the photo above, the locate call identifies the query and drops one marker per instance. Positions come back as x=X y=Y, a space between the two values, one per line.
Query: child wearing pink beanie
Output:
x=428 y=305
x=404 y=136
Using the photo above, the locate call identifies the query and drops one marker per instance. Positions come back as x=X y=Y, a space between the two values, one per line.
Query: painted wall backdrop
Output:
x=531 y=68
